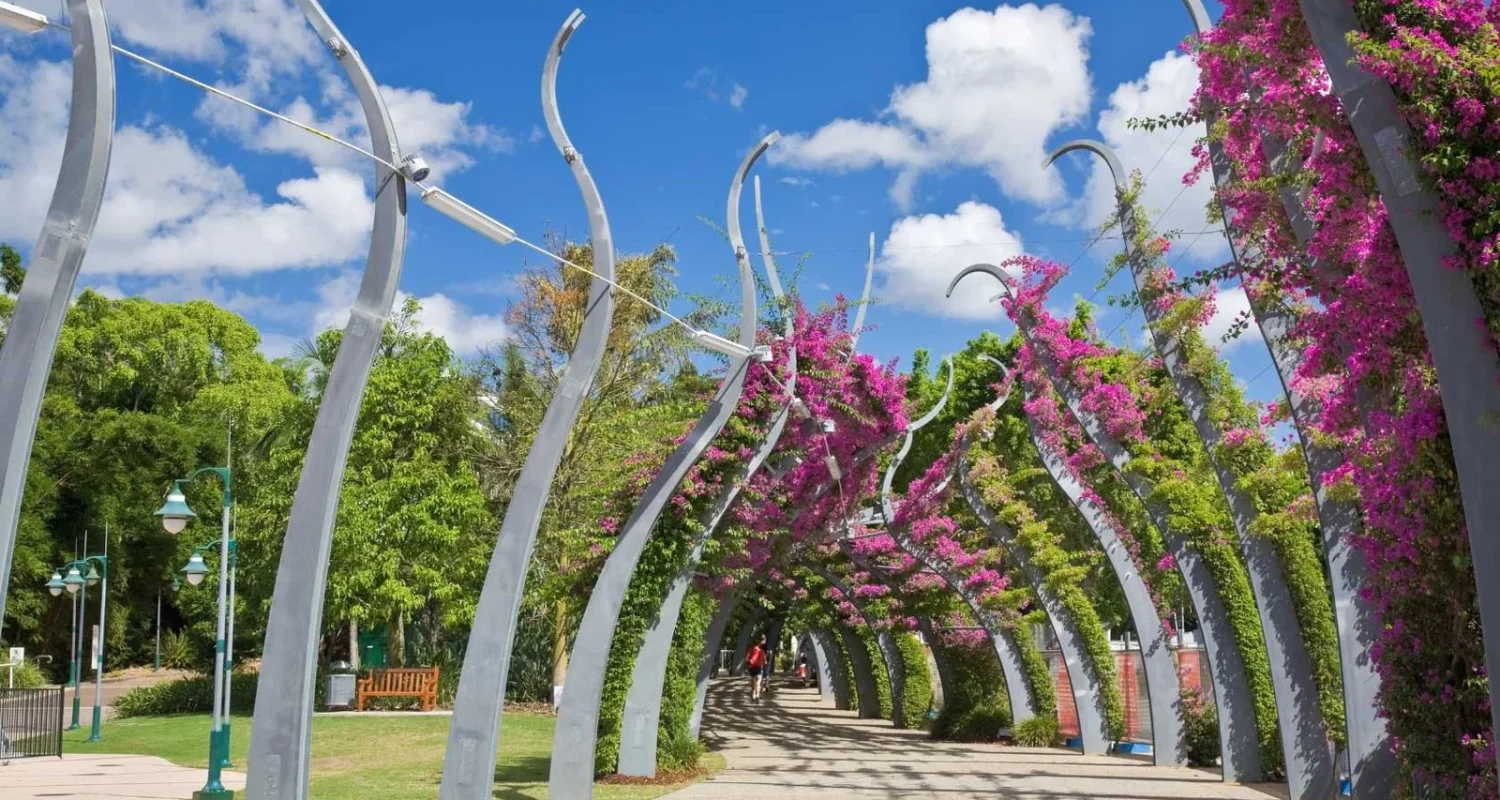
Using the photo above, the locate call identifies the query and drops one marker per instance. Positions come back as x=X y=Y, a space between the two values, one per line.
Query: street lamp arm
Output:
x=222 y=472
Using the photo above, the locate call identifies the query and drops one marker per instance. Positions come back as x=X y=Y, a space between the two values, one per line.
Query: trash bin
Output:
x=338 y=691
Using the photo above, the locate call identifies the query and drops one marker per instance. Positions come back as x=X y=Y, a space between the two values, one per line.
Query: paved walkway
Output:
x=104 y=777
x=794 y=746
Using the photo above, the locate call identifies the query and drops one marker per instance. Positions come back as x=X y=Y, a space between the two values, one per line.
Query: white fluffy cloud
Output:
x=465 y=331
x=1231 y=305
x=1166 y=88
x=923 y=253
x=441 y=132
x=999 y=83
x=168 y=207
x=172 y=209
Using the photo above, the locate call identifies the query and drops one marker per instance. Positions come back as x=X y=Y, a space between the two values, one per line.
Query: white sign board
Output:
x=17 y=655
x=94 y=643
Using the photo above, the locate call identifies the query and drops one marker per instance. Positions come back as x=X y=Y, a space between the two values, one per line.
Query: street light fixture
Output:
x=93 y=577
x=55 y=586
x=468 y=216
x=174 y=512
x=195 y=569
x=21 y=19
x=74 y=581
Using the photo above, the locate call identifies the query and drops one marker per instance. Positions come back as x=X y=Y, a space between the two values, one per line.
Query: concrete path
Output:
x=794 y=746
x=104 y=777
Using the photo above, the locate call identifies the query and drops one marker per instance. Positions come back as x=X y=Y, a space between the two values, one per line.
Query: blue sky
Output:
x=922 y=122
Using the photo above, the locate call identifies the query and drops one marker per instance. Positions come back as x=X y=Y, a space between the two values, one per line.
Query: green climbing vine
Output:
x=918 y=691
x=1062 y=572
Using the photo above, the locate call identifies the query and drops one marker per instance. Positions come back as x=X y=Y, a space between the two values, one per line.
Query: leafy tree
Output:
x=414 y=529
x=645 y=392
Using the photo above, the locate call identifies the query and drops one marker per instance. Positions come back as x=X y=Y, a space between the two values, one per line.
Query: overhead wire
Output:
x=217 y=92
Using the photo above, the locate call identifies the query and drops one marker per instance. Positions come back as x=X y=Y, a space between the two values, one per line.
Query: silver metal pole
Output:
x=281 y=735
x=469 y=761
x=642 y=716
x=1372 y=762
x=31 y=338
x=1238 y=731
x=575 y=738
x=1468 y=375
x=1304 y=746
x=156 y=664
x=220 y=646
x=94 y=732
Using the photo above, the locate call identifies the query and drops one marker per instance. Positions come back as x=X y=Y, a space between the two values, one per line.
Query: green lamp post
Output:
x=175 y=514
x=56 y=586
x=74 y=581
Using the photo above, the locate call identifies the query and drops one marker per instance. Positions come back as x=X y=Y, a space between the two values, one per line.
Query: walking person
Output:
x=802 y=668
x=756 y=660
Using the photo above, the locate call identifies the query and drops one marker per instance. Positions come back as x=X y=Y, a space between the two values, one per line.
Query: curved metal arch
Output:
x=280 y=740
x=887 y=501
x=895 y=668
x=642 y=714
x=576 y=735
x=1007 y=651
x=1163 y=689
x=1238 y=740
x=1088 y=693
x=709 y=657
x=832 y=670
x=56 y=259
x=1372 y=762
x=479 y=706
x=1310 y=769
x=864 y=297
x=1023 y=700
x=944 y=667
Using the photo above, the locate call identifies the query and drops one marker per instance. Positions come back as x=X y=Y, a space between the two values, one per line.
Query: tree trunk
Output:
x=354 y=645
x=397 y=644
x=559 y=649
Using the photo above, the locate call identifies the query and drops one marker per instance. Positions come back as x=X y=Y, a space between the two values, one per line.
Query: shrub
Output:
x=1038 y=732
x=26 y=675
x=193 y=695
x=677 y=752
x=976 y=723
x=1200 y=720
x=177 y=651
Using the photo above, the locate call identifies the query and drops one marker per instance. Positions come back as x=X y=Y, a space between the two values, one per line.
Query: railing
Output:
x=31 y=723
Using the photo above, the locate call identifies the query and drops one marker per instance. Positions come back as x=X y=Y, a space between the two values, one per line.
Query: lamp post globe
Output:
x=74 y=581
x=195 y=569
x=93 y=577
x=174 y=512
x=55 y=585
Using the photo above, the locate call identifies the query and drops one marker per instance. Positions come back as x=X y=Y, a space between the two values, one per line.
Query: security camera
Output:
x=414 y=168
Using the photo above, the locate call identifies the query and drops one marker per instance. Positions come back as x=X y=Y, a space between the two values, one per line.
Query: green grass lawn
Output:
x=364 y=758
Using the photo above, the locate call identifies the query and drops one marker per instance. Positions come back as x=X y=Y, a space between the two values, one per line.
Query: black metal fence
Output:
x=31 y=722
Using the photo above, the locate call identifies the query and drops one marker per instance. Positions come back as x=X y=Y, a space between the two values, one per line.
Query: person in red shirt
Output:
x=756 y=660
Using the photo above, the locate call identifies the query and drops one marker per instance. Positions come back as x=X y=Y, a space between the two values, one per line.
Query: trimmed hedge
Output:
x=194 y=695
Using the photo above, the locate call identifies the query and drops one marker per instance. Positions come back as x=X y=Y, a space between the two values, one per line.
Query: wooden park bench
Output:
x=420 y=682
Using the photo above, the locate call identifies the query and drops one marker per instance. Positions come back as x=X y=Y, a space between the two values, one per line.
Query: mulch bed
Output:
x=663 y=777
